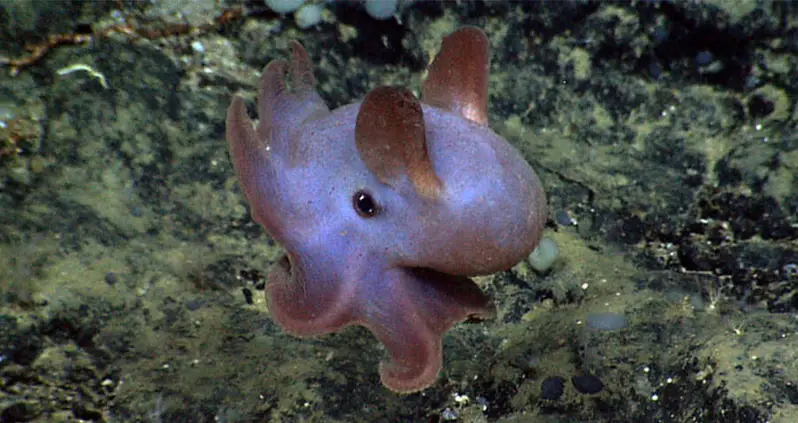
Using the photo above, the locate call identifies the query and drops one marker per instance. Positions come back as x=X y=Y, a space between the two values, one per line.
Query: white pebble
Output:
x=284 y=6
x=607 y=321
x=308 y=15
x=197 y=47
x=381 y=9
x=544 y=255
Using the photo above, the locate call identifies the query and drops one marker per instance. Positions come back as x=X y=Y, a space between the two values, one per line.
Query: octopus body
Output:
x=385 y=207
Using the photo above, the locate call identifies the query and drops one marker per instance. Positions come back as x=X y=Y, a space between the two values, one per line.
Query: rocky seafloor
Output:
x=664 y=132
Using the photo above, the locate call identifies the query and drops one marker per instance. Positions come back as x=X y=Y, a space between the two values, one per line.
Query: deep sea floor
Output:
x=665 y=134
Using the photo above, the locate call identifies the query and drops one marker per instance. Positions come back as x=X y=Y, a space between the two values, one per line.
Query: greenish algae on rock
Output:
x=126 y=250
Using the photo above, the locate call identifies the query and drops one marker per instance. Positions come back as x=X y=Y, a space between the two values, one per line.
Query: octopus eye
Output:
x=364 y=204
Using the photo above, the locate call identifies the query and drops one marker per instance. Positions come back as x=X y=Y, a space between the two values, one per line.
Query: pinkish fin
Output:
x=391 y=139
x=458 y=77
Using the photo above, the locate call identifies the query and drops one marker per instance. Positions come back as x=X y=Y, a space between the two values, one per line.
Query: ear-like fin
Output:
x=458 y=77
x=391 y=139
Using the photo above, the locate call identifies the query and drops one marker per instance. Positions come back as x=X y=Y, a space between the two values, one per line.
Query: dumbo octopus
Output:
x=385 y=207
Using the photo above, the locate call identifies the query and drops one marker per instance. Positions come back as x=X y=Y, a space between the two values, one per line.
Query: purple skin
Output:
x=386 y=206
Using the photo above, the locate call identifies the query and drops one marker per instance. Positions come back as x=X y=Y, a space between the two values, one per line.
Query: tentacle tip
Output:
x=237 y=119
x=301 y=68
x=404 y=380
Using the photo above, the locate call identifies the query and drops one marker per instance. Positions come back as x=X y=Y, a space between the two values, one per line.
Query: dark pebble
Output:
x=703 y=57
x=552 y=388
x=111 y=278
x=655 y=69
x=759 y=106
x=20 y=411
x=192 y=305
x=247 y=295
x=563 y=218
x=260 y=286
x=587 y=384
x=660 y=34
